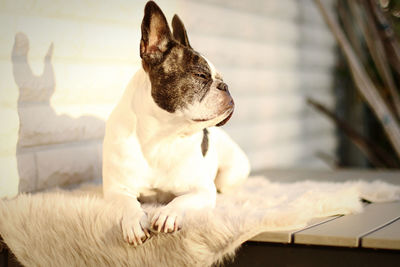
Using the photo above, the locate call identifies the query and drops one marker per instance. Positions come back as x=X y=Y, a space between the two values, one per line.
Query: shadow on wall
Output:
x=52 y=149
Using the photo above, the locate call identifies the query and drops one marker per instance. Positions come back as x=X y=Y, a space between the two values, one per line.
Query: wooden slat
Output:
x=347 y=230
x=343 y=175
x=286 y=236
x=387 y=237
x=276 y=237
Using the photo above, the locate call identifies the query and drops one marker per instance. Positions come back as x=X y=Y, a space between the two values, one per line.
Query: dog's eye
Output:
x=201 y=75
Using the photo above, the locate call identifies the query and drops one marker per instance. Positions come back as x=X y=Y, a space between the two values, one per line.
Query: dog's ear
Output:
x=179 y=31
x=156 y=35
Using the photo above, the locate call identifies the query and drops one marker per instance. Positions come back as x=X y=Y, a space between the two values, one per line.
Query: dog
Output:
x=160 y=142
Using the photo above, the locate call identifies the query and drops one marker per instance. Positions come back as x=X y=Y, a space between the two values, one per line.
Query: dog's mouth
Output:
x=226 y=119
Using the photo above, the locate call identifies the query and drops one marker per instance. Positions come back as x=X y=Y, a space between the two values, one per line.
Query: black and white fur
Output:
x=160 y=143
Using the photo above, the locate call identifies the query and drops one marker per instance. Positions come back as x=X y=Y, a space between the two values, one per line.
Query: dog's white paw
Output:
x=135 y=228
x=166 y=221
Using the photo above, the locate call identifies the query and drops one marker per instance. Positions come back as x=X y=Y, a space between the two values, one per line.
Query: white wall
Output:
x=64 y=64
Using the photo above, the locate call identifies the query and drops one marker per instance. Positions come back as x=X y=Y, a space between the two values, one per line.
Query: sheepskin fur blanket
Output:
x=79 y=228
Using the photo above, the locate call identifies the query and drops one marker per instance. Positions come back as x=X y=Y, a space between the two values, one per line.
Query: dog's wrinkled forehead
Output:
x=183 y=59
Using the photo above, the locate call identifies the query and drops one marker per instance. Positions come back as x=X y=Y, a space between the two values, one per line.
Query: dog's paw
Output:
x=135 y=228
x=166 y=221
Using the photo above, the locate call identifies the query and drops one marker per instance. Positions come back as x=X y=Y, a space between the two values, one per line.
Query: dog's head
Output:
x=182 y=81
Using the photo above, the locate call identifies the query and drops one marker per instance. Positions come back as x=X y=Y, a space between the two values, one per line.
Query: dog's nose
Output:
x=222 y=86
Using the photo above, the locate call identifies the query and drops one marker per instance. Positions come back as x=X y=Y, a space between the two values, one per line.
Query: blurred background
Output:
x=65 y=64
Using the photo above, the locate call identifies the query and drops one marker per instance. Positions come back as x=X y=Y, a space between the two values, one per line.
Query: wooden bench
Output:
x=7 y=258
x=371 y=238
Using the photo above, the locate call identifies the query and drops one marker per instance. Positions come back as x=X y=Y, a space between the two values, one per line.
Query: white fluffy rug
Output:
x=80 y=229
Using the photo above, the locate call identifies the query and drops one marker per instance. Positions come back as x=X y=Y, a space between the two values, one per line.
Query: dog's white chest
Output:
x=178 y=166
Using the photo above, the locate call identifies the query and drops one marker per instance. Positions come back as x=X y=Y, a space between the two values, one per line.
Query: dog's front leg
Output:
x=134 y=222
x=168 y=219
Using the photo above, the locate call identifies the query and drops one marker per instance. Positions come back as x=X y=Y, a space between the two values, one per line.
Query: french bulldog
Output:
x=160 y=142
